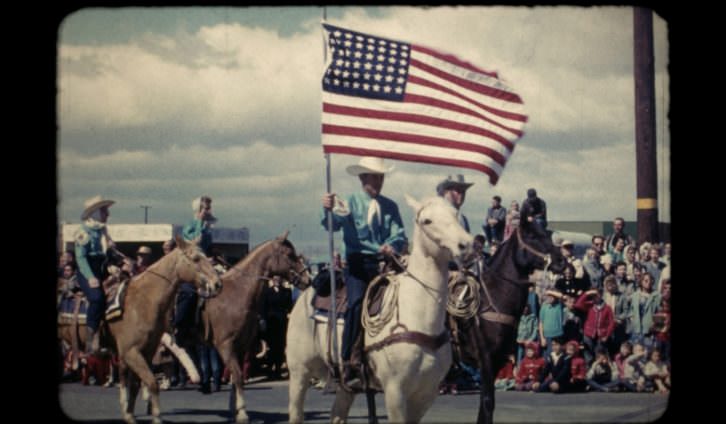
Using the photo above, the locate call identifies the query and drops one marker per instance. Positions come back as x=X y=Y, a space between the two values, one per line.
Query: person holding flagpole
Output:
x=372 y=229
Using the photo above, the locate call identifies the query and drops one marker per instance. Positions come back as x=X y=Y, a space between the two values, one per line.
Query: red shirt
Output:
x=530 y=369
x=600 y=322
x=578 y=369
x=507 y=371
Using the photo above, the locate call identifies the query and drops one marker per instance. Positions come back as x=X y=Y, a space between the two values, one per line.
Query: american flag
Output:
x=398 y=100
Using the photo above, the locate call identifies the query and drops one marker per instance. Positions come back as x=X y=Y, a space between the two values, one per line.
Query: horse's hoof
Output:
x=129 y=419
x=242 y=417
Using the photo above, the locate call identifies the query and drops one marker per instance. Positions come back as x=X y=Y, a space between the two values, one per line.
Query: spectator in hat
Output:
x=534 y=210
x=578 y=368
x=618 y=233
x=453 y=189
x=599 y=322
x=495 y=221
x=567 y=248
x=512 y=220
x=529 y=370
x=372 y=228
x=91 y=242
x=143 y=259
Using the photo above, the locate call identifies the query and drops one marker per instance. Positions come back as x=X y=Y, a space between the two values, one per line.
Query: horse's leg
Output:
x=138 y=365
x=486 y=394
x=396 y=403
x=297 y=389
x=341 y=406
x=123 y=384
x=230 y=356
x=133 y=385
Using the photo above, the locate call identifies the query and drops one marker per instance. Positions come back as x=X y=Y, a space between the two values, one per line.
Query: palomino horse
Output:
x=230 y=319
x=409 y=363
x=491 y=336
x=138 y=332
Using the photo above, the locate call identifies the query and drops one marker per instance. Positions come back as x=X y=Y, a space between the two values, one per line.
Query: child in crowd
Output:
x=550 y=320
x=657 y=376
x=578 y=369
x=662 y=328
x=603 y=374
x=635 y=366
x=505 y=377
x=556 y=374
x=527 y=330
x=599 y=324
x=529 y=371
x=572 y=319
x=625 y=379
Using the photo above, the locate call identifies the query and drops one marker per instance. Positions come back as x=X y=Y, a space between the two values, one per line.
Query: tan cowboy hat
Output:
x=93 y=204
x=368 y=165
x=452 y=181
x=144 y=250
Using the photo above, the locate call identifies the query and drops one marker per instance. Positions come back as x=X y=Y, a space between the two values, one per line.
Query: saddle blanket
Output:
x=115 y=300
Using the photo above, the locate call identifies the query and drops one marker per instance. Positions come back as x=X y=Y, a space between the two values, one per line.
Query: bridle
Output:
x=546 y=257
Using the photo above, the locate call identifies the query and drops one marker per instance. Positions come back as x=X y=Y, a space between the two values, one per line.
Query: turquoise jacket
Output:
x=640 y=322
x=552 y=318
x=358 y=237
x=196 y=228
x=527 y=329
x=88 y=243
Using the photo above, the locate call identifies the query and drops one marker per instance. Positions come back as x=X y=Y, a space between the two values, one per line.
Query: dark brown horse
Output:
x=230 y=319
x=138 y=332
x=492 y=336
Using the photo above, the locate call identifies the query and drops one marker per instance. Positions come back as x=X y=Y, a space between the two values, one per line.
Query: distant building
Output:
x=232 y=243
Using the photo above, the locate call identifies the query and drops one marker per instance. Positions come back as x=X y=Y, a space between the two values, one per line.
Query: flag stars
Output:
x=404 y=54
x=400 y=80
x=378 y=77
x=359 y=38
x=336 y=82
x=356 y=84
x=356 y=65
x=356 y=75
x=379 y=67
x=371 y=47
x=382 y=42
x=347 y=43
x=346 y=74
x=376 y=87
x=358 y=46
x=381 y=58
x=381 y=50
x=391 y=60
x=402 y=62
x=357 y=54
x=398 y=90
x=339 y=62
x=387 y=89
x=366 y=86
x=369 y=56
x=389 y=78
x=367 y=75
x=348 y=35
x=401 y=70
x=368 y=66
x=391 y=69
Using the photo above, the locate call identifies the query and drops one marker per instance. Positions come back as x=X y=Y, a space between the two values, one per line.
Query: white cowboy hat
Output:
x=453 y=181
x=369 y=165
x=144 y=250
x=93 y=204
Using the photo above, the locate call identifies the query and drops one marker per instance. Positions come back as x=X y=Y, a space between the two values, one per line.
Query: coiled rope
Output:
x=389 y=305
x=465 y=304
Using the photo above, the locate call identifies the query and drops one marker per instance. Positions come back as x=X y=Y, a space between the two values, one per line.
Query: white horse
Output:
x=409 y=369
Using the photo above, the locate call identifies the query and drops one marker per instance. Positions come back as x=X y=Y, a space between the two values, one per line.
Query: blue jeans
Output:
x=493 y=233
x=96 y=303
x=361 y=270
x=209 y=358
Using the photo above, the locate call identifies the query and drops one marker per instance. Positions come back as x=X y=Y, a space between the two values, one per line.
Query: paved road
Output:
x=267 y=403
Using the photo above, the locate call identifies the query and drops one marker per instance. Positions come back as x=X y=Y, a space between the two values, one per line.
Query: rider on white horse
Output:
x=372 y=227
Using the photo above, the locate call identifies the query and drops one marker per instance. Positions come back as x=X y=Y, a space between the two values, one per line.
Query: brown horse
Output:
x=230 y=319
x=138 y=332
x=491 y=337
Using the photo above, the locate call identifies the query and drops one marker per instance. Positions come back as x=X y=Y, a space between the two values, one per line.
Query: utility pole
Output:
x=645 y=146
x=146 y=213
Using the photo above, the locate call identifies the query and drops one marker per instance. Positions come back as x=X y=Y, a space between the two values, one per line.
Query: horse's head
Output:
x=439 y=230
x=536 y=250
x=195 y=267
x=283 y=261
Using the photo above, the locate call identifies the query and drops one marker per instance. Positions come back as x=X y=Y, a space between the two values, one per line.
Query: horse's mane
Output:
x=258 y=250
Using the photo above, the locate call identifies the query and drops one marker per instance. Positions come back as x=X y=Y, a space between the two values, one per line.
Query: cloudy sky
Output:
x=159 y=105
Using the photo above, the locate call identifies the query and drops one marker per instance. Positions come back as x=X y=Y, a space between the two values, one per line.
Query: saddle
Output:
x=114 y=287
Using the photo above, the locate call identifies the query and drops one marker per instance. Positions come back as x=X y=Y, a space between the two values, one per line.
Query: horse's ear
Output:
x=180 y=241
x=283 y=236
x=415 y=204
